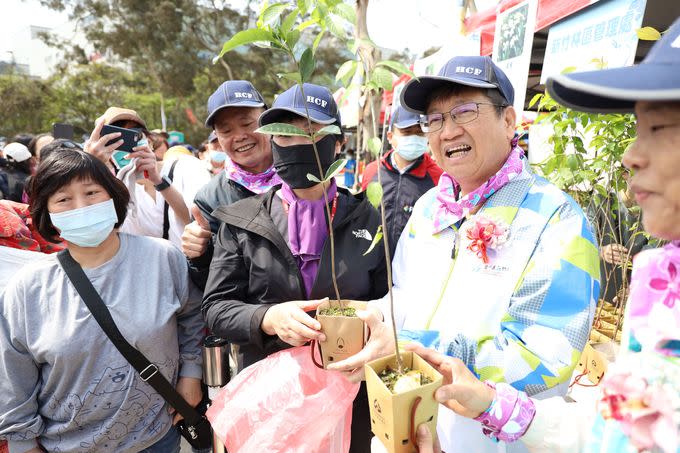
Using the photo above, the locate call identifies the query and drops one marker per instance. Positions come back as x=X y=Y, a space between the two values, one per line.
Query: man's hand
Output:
x=290 y=322
x=96 y=144
x=461 y=392
x=615 y=254
x=196 y=235
x=190 y=389
x=379 y=345
x=425 y=441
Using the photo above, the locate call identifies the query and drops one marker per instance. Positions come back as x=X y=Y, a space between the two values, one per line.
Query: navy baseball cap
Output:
x=402 y=118
x=320 y=103
x=477 y=72
x=656 y=78
x=233 y=93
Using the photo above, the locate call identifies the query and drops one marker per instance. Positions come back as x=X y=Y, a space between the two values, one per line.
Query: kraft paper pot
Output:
x=345 y=335
x=395 y=418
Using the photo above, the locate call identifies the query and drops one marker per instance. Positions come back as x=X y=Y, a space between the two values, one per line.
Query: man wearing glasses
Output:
x=496 y=266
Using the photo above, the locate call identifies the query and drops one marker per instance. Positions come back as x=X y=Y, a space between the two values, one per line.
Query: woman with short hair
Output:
x=65 y=385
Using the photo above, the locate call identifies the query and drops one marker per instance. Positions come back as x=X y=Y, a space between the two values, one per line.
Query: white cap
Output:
x=17 y=152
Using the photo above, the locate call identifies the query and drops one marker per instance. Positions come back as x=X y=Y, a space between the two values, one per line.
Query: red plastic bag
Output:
x=284 y=403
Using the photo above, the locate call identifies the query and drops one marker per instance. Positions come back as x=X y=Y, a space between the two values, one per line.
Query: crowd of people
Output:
x=496 y=272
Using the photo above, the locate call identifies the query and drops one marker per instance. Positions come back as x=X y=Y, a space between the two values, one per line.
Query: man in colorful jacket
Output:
x=496 y=266
x=408 y=172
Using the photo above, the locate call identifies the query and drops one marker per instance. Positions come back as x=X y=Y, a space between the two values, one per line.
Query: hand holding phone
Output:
x=145 y=161
x=102 y=145
x=130 y=137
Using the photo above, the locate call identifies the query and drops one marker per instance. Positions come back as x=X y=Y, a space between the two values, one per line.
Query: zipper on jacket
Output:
x=454 y=256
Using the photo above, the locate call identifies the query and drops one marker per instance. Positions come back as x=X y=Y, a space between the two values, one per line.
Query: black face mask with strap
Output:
x=293 y=163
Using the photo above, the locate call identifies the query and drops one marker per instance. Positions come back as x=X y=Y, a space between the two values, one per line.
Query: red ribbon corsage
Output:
x=485 y=233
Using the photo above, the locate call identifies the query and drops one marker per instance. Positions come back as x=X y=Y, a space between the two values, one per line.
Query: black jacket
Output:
x=220 y=191
x=401 y=191
x=253 y=268
x=12 y=182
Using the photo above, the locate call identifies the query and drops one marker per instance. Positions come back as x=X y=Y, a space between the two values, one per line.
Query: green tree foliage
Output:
x=23 y=105
x=157 y=53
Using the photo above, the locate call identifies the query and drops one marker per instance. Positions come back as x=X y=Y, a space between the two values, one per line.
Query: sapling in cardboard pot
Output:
x=400 y=386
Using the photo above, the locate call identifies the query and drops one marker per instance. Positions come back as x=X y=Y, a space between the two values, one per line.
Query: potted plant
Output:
x=281 y=29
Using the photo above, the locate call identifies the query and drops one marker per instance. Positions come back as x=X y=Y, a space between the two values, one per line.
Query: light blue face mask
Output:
x=411 y=147
x=88 y=226
x=218 y=156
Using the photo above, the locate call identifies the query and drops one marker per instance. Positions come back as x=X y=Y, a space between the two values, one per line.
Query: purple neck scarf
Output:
x=256 y=183
x=307 y=230
x=451 y=208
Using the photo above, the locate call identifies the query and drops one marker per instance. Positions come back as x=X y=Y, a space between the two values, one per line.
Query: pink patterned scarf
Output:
x=255 y=182
x=453 y=208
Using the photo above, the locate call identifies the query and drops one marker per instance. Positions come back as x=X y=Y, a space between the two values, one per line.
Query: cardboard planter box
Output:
x=395 y=418
x=345 y=336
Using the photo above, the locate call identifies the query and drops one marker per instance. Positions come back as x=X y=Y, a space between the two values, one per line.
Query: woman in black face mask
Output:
x=272 y=260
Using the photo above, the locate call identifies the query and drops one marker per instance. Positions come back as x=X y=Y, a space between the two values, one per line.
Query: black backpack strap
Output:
x=166 y=207
x=147 y=371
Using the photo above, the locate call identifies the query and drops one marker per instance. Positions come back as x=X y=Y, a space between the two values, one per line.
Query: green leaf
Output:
x=272 y=13
x=374 y=194
x=535 y=99
x=288 y=23
x=335 y=26
x=648 y=34
x=347 y=12
x=376 y=239
x=292 y=38
x=305 y=24
x=303 y=6
x=317 y=40
x=245 y=37
x=375 y=146
x=313 y=178
x=346 y=71
x=382 y=78
x=335 y=168
x=307 y=64
x=292 y=76
x=397 y=67
x=572 y=162
x=332 y=129
x=282 y=129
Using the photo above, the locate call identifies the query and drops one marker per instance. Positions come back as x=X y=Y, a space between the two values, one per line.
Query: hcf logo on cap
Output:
x=468 y=70
x=313 y=100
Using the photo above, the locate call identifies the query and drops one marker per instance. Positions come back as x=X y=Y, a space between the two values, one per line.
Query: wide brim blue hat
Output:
x=475 y=72
x=320 y=104
x=656 y=78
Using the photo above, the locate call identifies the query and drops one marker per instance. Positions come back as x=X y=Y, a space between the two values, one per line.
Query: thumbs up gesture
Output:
x=196 y=235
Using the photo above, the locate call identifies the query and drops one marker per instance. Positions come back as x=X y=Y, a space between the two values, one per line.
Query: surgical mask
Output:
x=293 y=163
x=88 y=226
x=218 y=156
x=411 y=147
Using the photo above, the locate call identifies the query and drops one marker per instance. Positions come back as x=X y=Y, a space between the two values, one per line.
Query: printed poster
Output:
x=512 y=44
x=602 y=35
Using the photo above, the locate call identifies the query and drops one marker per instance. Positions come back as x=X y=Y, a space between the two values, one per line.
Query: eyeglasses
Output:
x=460 y=114
x=71 y=145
